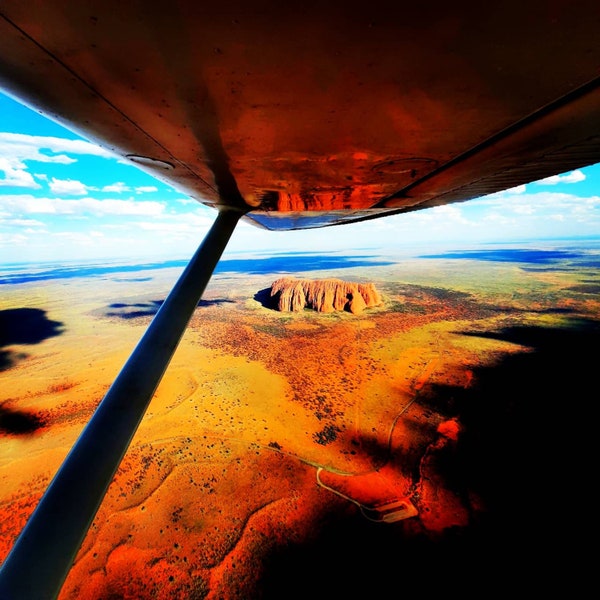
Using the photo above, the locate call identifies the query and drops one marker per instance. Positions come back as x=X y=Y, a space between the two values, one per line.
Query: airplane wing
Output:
x=314 y=114
x=292 y=115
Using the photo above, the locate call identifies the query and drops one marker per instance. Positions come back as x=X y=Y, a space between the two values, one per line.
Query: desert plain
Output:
x=425 y=446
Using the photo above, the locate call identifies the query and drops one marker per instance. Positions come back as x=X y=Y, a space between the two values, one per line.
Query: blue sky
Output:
x=63 y=198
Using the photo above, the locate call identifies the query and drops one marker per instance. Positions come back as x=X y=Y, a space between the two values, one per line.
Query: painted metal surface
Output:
x=310 y=113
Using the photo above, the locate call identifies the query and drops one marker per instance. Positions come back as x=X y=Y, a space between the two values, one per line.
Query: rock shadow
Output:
x=265 y=299
x=24 y=326
x=526 y=434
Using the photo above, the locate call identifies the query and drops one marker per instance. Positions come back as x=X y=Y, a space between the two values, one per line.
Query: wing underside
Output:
x=309 y=116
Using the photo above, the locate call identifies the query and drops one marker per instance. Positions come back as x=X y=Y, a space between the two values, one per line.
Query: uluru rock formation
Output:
x=323 y=295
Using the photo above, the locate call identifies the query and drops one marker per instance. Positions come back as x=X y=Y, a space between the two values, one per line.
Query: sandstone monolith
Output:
x=323 y=295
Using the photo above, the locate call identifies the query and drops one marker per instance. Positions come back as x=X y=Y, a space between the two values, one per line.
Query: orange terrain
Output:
x=285 y=454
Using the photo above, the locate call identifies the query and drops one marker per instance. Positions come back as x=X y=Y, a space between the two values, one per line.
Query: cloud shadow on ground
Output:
x=280 y=263
x=522 y=255
x=18 y=422
x=134 y=310
x=24 y=326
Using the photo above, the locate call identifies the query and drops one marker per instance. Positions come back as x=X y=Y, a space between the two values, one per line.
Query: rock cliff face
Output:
x=323 y=295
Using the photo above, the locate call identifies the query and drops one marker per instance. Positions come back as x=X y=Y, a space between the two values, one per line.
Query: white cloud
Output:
x=123 y=207
x=531 y=211
x=70 y=187
x=74 y=237
x=142 y=189
x=12 y=240
x=26 y=204
x=116 y=188
x=438 y=218
x=572 y=177
x=542 y=204
x=450 y=213
x=500 y=197
x=523 y=209
x=16 y=149
x=20 y=146
x=13 y=174
x=21 y=223
x=519 y=189
x=194 y=224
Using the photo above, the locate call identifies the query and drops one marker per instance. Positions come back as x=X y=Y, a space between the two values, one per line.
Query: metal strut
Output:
x=43 y=554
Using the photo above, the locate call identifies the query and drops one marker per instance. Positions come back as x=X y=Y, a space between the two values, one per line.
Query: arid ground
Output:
x=422 y=447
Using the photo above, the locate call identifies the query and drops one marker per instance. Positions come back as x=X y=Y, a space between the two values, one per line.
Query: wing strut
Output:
x=44 y=552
